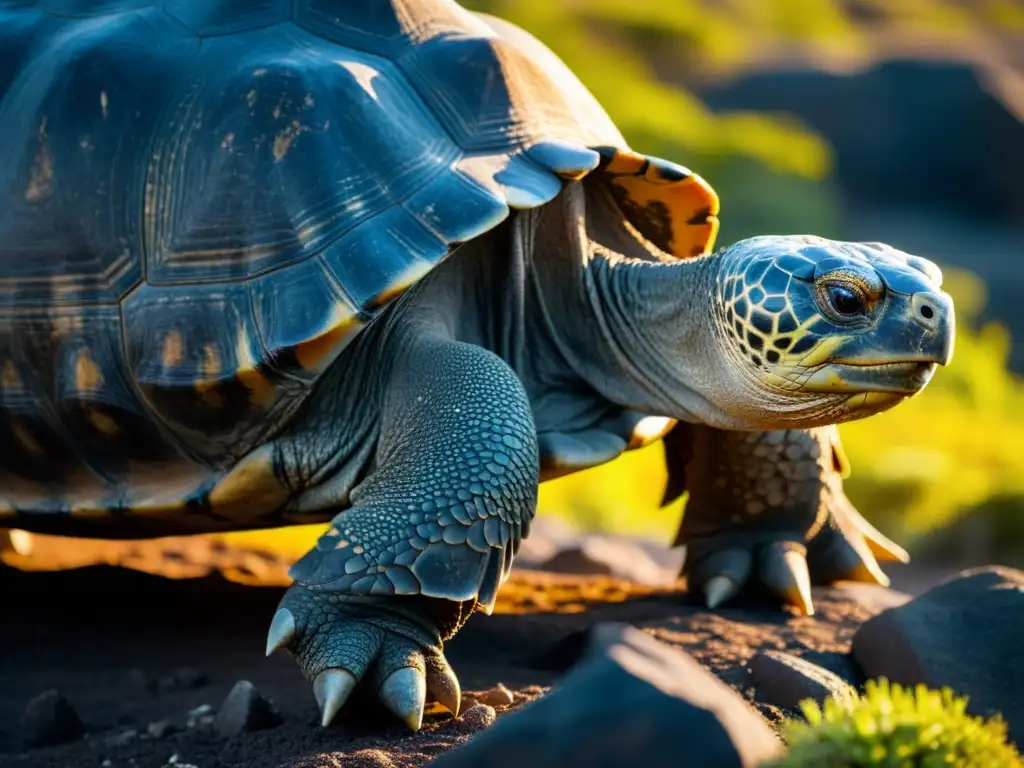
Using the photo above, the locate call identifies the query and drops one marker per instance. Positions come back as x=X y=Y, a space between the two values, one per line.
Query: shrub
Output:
x=896 y=727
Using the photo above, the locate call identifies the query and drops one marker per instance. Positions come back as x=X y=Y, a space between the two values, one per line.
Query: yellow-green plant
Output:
x=890 y=726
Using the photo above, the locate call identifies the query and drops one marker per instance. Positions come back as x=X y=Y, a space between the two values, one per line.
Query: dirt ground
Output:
x=106 y=636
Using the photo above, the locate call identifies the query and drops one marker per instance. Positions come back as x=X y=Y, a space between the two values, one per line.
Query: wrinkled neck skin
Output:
x=594 y=320
x=637 y=328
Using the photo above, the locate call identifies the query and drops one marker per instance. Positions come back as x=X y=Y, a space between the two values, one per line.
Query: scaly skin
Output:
x=769 y=508
x=537 y=350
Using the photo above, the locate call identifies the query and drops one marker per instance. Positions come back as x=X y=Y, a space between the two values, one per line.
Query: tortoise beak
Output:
x=901 y=356
x=934 y=313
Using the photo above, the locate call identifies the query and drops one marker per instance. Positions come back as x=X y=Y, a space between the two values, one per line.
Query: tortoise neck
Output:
x=638 y=330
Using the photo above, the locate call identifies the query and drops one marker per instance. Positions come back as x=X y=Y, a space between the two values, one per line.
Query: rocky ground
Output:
x=142 y=664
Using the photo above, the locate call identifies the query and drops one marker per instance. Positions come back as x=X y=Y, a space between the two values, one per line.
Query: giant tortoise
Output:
x=387 y=264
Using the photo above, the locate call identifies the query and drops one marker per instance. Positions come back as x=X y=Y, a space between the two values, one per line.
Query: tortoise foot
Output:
x=723 y=565
x=767 y=510
x=387 y=645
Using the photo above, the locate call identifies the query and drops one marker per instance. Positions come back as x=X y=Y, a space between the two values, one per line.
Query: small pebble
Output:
x=160 y=729
x=369 y=758
x=477 y=718
x=120 y=739
x=245 y=710
x=201 y=715
x=50 y=719
x=498 y=696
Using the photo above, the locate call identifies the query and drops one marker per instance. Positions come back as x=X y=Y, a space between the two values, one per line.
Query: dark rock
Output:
x=614 y=556
x=245 y=710
x=476 y=718
x=50 y=719
x=631 y=700
x=785 y=680
x=160 y=729
x=964 y=633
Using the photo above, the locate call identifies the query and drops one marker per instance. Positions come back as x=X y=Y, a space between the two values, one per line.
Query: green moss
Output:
x=894 y=727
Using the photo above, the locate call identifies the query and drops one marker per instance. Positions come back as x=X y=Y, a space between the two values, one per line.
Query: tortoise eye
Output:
x=845 y=301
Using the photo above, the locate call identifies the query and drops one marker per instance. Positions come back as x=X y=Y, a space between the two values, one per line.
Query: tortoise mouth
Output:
x=901 y=378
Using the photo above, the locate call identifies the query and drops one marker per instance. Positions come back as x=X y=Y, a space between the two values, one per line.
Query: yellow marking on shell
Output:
x=284 y=139
x=87 y=373
x=9 y=378
x=211 y=360
x=823 y=350
x=251 y=488
x=625 y=161
x=103 y=422
x=174 y=349
x=261 y=390
x=683 y=199
x=649 y=430
x=207 y=389
x=410 y=276
x=26 y=439
x=40 y=182
x=316 y=353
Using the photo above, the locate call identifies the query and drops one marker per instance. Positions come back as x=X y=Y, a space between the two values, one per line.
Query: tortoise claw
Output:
x=784 y=571
x=718 y=590
x=404 y=693
x=332 y=688
x=444 y=685
x=282 y=631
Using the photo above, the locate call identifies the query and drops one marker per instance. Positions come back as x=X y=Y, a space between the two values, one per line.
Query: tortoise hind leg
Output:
x=769 y=507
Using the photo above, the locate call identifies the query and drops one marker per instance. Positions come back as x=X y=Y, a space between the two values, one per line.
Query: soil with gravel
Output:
x=134 y=652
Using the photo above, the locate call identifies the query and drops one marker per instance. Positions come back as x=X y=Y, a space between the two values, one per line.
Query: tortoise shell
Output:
x=206 y=200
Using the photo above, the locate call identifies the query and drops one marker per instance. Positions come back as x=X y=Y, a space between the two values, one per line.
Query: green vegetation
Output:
x=895 y=727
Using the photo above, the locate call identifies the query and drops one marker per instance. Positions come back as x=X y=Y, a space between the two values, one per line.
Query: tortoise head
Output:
x=850 y=329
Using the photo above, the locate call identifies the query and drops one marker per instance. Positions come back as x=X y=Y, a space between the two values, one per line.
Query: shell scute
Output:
x=304 y=315
x=186 y=350
x=489 y=94
x=226 y=17
x=385 y=28
x=375 y=263
x=291 y=144
x=59 y=165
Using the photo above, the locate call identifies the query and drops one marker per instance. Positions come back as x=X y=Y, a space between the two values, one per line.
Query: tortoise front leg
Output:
x=430 y=536
x=770 y=507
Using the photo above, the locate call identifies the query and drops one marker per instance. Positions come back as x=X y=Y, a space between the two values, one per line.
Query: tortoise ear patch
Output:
x=670 y=205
